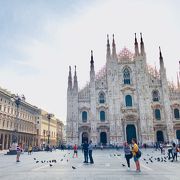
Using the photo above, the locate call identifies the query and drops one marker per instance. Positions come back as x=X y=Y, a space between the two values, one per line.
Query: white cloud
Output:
x=69 y=43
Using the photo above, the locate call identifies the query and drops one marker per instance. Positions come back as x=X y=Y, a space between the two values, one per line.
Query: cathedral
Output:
x=126 y=99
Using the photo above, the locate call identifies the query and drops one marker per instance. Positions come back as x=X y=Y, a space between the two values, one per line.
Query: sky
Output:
x=39 y=39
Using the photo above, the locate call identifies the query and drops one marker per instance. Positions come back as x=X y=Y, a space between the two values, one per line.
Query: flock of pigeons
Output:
x=149 y=159
x=53 y=161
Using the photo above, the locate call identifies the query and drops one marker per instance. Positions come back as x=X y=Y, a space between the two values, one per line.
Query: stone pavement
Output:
x=108 y=166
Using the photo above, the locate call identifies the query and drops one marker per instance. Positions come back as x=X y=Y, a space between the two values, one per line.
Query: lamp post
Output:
x=17 y=100
x=49 y=119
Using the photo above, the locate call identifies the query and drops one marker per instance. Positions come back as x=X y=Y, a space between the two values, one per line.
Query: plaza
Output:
x=108 y=165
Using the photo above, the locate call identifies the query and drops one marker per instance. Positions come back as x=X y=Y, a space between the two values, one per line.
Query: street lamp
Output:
x=17 y=100
x=49 y=119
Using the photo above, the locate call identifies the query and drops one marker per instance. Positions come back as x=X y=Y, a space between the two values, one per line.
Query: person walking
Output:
x=136 y=152
x=174 y=151
x=75 y=151
x=18 y=150
x=128 y=154
x=90 y=148
x=29 y=150
x=85 y=150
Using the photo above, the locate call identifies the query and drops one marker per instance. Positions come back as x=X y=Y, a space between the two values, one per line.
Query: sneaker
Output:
x=138 y=170
x=17 y=161
x=128 y=169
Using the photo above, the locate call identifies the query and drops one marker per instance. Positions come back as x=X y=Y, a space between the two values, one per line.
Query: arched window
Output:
x=102 y=116
x=101 y=97
x=84 y=116
x=155 y=95
x=126 y=76
x=128 y=101
x=157 y=114
x=176 y=113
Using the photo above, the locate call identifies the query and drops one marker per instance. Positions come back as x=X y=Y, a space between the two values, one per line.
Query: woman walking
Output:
x=18 y=150
x=174 y=151
x=75 y=151
x=136 y=154
x=128 y=154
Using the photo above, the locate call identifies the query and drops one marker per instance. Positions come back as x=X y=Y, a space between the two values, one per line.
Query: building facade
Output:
x=23 y=119
x=126 y=99
x=47 y=127
x=60 y=137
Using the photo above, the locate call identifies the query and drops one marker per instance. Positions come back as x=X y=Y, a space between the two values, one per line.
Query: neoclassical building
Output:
x=127 y=98
x=23 y=119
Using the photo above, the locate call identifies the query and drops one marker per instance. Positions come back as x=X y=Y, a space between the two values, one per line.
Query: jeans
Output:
x=86 y=156
x=170 y=154
x=90 y=156
x=128 y=159
x=175 y=156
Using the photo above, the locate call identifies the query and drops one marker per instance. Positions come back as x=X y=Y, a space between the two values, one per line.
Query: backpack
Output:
x=138 y=154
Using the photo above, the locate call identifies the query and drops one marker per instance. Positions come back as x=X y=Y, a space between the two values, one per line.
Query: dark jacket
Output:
x=85 y=147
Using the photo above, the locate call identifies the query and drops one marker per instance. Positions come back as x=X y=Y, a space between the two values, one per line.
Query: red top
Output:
x=75 y=148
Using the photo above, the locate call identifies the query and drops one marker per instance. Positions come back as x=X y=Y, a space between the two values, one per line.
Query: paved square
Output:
x=108 y=165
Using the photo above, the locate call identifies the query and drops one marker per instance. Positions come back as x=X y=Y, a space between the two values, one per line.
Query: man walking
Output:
x=85 y=149
x=90 y=147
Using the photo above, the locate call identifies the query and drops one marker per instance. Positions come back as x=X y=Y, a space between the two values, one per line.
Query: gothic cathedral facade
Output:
x=126 y=99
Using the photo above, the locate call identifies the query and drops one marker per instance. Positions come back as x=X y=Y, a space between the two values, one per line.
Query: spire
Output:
x=114 y=55
x=70 y=79
x=136 y=48
x=108 y=53
x=178 y=81
x=92 y=72
x=161 y=58
x=75 y=80
x=92 y=60
x=142 y=45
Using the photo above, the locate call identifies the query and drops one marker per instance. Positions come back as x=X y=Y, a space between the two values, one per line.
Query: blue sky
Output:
x=39 y=39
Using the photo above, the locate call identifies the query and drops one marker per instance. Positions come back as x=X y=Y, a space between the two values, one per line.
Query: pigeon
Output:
x=148 y=155
x=42 y=161
x=67 y=160
x=144 y=159
x=34 y=158
x=37 y=161
x=61 y=159
x=73 y=167
x=123 y=165
x=50 y=165
x=146 y=162
x=54 y=161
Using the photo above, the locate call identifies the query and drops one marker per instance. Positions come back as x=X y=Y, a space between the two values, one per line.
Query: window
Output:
x=102 y=116
x=176 y=113
x=128 y=101
x=157 y=114
x=84 y=116
x=155 y=95
x=101 y=97
x=126 y=76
